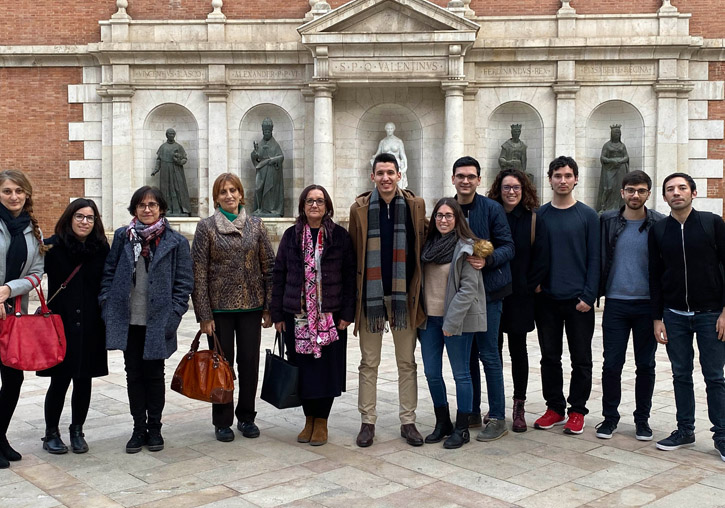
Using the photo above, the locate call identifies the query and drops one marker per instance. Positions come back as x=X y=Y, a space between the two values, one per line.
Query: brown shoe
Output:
x=411 y=434
x=306 y=434
x=519 y=416
x=319 y=435
x=366 y=435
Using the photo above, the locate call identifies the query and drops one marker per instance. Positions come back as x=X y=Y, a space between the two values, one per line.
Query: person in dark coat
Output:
x=313 y=303
x=513 y=189
x=78 y=251
x=147 y=280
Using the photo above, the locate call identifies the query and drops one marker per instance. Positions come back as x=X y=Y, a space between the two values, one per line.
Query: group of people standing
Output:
x=481 y=267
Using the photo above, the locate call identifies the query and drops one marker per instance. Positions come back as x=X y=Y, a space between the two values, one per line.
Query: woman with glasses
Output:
x=145 y=290
x=455 y=303
x=232 y=290
x=513 y=189
x=75 y=260
x=313 y=302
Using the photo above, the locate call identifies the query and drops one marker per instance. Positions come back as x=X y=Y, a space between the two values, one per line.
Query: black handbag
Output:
x=281 y=379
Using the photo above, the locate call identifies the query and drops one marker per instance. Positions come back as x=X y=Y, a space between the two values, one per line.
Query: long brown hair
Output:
x=529 y=197
x=19 y=178
x=64 y=226
x=462 y=229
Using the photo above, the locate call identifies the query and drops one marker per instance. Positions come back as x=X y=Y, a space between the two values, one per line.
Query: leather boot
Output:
x=7 y=451
x=319 y=434
x=306 y=434
x=53 y=443
x=77 y=443
x=443 y=427
x=460 y=434
x=519 y=416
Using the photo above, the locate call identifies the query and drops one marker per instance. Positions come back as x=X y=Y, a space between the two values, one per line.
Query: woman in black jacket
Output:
x=313 y=302
x=513 y=189
x=79 y=242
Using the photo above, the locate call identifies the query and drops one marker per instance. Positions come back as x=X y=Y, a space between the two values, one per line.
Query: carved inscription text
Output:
x=437 y=67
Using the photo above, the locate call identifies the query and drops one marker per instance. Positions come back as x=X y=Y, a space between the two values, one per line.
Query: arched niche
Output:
x=183 y=122
x=371 y=129
x=250 y=132
x=599 y=132
x=499 y=130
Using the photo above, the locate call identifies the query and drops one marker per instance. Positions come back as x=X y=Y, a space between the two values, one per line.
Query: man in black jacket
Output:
x=624 y=283
x=687 y=256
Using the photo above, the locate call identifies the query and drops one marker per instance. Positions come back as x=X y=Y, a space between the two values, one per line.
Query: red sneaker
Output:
x=549 y=419
x=575 y=425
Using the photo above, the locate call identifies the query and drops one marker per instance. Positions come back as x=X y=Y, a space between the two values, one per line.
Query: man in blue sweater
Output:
x=566 y=298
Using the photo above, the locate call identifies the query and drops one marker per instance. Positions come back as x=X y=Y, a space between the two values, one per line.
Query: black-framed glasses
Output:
x=509 y=188
x=153 y=206
x=79 y=217
x=470 y=178
x=447 y=216
x=631 y=191
x=319 y=202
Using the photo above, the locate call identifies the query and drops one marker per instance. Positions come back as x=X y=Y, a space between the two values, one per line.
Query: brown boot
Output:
x=319 y=434
x=519 y=416
x=306 y=434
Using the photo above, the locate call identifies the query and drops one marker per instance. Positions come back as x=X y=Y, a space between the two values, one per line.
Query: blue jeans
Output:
x=485 y=347
x=680 y=330
x=458 y=348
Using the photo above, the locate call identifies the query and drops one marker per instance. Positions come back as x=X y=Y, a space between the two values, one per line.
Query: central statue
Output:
x=615 y=164
x=513 y=151
x=267 y=158
x=170 y=160
x=394 y=145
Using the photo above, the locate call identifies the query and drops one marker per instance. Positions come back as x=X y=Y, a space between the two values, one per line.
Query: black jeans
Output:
x=145 y=383
x=621 y=317
x=519 y=361
x=12 y=380
x=318 y=408
x=552 y=318
x=55 y=399
x=247 y=327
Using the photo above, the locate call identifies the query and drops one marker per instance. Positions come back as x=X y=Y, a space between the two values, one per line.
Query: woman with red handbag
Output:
x=21 y=254
x=74 y=265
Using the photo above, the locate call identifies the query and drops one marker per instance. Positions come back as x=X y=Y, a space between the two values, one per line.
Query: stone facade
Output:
x=453 y=79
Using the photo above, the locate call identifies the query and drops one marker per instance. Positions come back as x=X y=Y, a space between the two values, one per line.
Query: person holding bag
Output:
x=145 y=291
x=313 y=303
x=74 y=265
x=21 y=254
x=232 y=289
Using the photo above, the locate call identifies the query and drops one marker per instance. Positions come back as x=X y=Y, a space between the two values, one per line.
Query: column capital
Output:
x=673 y=89
x=323 y=89
x=565 y=90
x=217 y=93
x=454 y=88
x=117 y=93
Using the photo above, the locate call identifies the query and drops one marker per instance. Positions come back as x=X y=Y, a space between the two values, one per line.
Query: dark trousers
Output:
x=247 y=328
x=55 y=399
x=519 y=361
x=552 y=318
x=144 y=381
x=318 y=408
x=621 y=317
x=12 y=380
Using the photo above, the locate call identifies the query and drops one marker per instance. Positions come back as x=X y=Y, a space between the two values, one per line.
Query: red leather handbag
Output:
x=205 y=375
x=32 y=341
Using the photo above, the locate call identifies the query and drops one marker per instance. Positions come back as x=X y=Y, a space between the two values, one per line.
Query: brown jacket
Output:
x=232 y=265
x=359 y=235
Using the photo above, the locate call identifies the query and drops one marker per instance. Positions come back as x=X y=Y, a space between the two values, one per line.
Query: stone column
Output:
x=218 y=147
x=123 y=179
x=324 y=147
x=666 y=144
x=453 y=146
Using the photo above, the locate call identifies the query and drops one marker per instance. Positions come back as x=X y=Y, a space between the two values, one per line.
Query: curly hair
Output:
x=19 y=179
x=529 y=197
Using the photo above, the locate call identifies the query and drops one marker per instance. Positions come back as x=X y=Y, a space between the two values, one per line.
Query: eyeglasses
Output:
x=470 y=178
x=631 y=191
x=153 y=206
x=447 y=216
x=319 y=202
x=79 y=217
x=509 y=188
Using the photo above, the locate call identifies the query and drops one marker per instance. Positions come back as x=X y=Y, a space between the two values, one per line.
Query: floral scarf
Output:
x=144 y=240
x=315 y=328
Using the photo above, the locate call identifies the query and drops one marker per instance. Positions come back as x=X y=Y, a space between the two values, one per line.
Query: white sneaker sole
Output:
x=670 y=448
x=643 y=438
x=567 y=430
x=606 y=436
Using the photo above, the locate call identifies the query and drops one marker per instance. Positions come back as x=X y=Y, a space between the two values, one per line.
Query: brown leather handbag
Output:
x=205 y=375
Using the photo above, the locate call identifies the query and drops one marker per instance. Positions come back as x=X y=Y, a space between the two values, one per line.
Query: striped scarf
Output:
x=374 y=306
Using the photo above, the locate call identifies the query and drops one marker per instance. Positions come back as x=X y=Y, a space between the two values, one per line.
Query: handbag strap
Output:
x=65 y=283
x=216 y=347
x=278 y=340
x=34 y=280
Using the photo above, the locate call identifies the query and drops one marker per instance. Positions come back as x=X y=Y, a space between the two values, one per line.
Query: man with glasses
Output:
x=387 y=228
x=488 y=221
x=624 y=282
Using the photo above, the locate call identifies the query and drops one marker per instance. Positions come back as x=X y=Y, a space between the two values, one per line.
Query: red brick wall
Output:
x=34 y=135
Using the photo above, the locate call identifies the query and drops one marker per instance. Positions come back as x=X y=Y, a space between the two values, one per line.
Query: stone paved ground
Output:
x=533 y=469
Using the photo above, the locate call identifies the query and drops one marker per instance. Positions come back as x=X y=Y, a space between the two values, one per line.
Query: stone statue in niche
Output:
x=267 y=158
x=513 y=151
x=394 y=145
x=615 y=164
x=170 y=160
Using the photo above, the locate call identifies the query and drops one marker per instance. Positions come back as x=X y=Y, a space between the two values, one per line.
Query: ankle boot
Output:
x=53 y=443
x=319 y=434
x=519 y=416
x=77 y=443
x=443 y=427
x=460 y=434
x=306 y=434
x=7 y=451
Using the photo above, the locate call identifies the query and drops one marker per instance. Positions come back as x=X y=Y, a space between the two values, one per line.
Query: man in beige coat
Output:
x=388 y=227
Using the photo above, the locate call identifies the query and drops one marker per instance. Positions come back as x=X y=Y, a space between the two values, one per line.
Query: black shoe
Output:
x=7 y=451
x=138 y=439
x=224 y=434
x=460 y=435
x=154 y=442
x=248 y=429
x=443 y=427
x=677 y=439
x=644 y=432
x=474 y=420
x=605 y=429
x=77 y=443
x=4 y=464
x=53 y=443
x=720 y=447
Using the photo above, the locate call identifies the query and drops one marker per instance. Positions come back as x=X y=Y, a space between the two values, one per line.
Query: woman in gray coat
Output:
x=147 y=280
x=455 y=303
